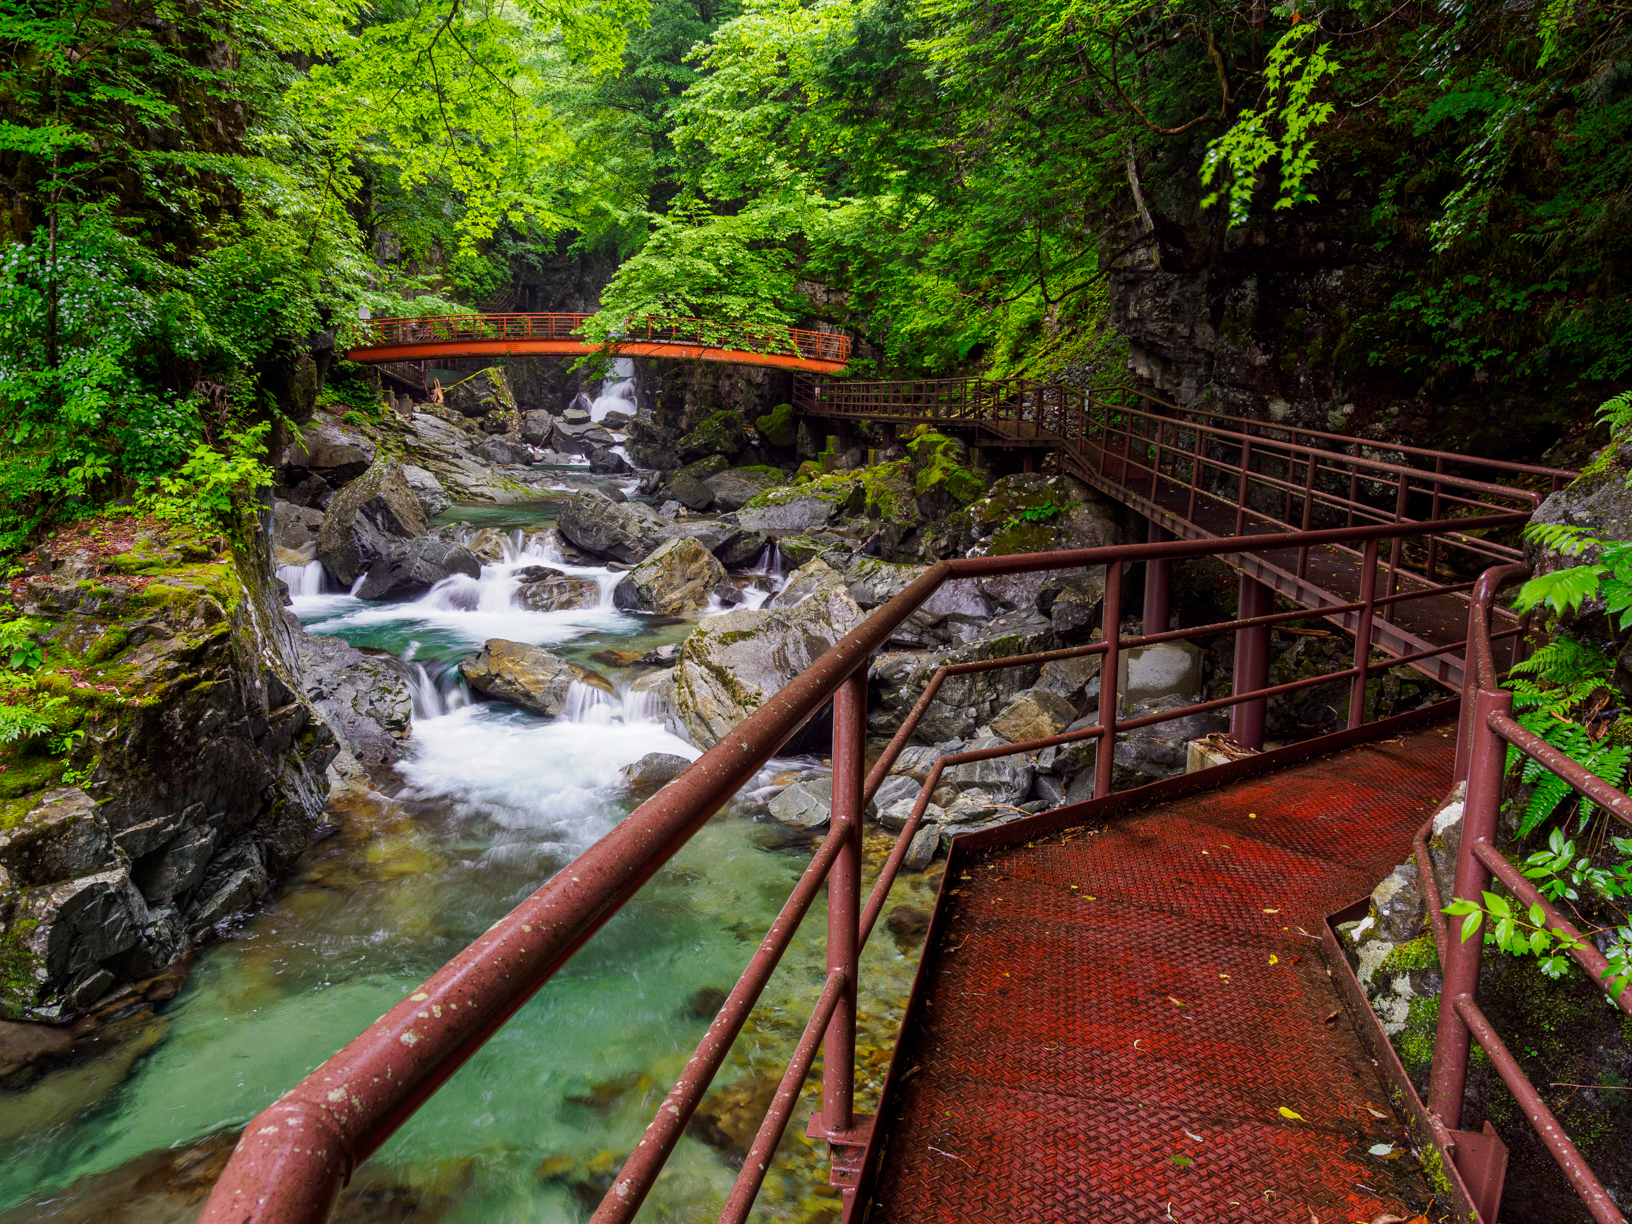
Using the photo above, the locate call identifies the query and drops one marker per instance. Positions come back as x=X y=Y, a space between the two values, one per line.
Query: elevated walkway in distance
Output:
x=446 y=337
x=1110 y=1020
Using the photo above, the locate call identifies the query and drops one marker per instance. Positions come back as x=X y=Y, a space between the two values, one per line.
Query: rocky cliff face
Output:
x=197 y=772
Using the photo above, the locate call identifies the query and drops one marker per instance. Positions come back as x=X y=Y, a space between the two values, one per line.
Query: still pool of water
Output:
x=489 y=802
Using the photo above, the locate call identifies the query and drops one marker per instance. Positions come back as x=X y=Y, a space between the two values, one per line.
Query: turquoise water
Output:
x=489 y=803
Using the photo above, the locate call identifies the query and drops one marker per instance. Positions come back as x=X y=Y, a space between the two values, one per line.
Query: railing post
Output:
x=1396 y=549
x=1308 y=510
x=1362 y=636
x=1449 y=1074
x=1105 y=752
x=1251 y=662
x=1158 y=575
x=1433 y=517
x=844 y=902
x=1241 y=495
x=1195 y=471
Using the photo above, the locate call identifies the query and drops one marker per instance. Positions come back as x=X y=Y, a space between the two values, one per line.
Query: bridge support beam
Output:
x=1158 y=575
x=1251 y=663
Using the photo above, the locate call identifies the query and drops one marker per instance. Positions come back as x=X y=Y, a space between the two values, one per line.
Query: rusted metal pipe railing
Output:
x=1485 y=732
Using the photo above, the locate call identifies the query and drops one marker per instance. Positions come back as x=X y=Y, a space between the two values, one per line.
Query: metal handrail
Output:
x=1485 y=731
x=438 y=329
x=292 y=1158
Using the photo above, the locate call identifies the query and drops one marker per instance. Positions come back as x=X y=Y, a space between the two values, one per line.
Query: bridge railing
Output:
x=1486 y=731
x=293 y=1157
x=1246 y=475
x=445 y=329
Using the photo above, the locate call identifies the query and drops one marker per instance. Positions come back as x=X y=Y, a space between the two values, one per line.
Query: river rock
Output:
x=604 y=461
x=807 y=804
x=741 y=547
x=963 y=703
x=719 y=434
x=528 y=676
x=367 y=517
x=702 y=469
x=365 y=698
x=1004 y=779
x=340 y=454
x=415 y=567
x=652 y=771
x=294 y=527
x=1034 y=713
x=1150 y=754
x=730 y=665
x=893 y=789
x=502 y=450
x=428 y=490
x=690 y=492
x=800 y=508
x=779 y=427
x=677 y=578
x=484 y=392
x=536 y=426
x=1167 y=669
x=1075 y=604
x=629 y=532
x=735 y=487
x=921 y=851
x=489 y=544
x=555 y=592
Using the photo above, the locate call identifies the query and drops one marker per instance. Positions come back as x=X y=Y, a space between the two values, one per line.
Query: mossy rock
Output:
x=719 y=434
x=942 y=480
x=712 y=465
x=778 y=426
x=808 y=470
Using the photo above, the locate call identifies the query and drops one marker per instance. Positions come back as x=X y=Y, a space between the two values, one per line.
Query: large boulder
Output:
x=366 y=518
x=719 y=434
x=528 y=676
x=502 y=450
x=553 y=591
x=415 y=567
x=690 y=492
x=432 y=497
x=364 y=698
x=942 y=480
x=338 y=453
x=778 y=426
x=807 y=507
x=702 y=469
x=1030 y=513
x=605 y=461
x=1034 y=713
x=741 y=547
x=1167 y=669
x=808 y=804
x=677 y=578
x=736 y=487
x=733 y=664
x=484 y=392
x=581 y=439
x=626 y=532
x=294 y=527
x=536 y=426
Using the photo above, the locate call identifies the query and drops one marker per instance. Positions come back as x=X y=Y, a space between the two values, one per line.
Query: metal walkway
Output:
x=1111 y=1021
x=1194 y=474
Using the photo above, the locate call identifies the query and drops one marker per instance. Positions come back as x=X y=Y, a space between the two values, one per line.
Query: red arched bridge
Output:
x=1133 y=1007
x=562 y=335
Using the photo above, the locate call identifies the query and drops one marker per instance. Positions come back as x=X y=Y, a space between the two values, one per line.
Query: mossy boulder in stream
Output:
x=194 y=770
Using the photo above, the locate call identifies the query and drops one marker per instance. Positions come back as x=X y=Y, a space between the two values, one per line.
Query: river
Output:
x=489 y=801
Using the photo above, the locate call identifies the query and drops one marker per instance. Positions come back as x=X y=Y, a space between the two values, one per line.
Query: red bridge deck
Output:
x=1112 y=1019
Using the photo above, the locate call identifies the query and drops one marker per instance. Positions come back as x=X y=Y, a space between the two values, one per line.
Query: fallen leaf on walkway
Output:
x=1274 y=960
x=1175 y=1002
x=1225 y=976
x=1073 y=886
x=1272 y=911
x=1334 y=1016
x=1375 y=1112
x=1381 y=1149
x=1190 y=1135
x=1292 y=1115
x=1184 y=1162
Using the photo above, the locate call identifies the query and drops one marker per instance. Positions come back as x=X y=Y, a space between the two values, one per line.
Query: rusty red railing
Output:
x=1486 y=730
x=293 y=1157
x=446 y=329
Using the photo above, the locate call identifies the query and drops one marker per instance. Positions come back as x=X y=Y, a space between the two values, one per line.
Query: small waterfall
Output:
x=455 y=593
x=643 y=707
x=587 y=704
x=583 y=403
x=769 y=561
x=357 y=585
x=617 y=393
x=609 y=583
x=302 y=580
x=434 y=696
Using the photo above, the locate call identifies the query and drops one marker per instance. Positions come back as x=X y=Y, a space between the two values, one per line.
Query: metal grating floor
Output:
x=1115 y=1018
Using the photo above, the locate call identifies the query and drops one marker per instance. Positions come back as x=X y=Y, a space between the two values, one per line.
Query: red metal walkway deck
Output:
x=1114 y=1018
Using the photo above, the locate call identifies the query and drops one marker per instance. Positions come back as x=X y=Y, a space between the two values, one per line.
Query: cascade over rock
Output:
x=627 y=532
x=678 y=577
x=414 y=567
x=528 y=676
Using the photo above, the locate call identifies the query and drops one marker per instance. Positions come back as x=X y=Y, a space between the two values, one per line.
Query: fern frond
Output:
x=1549 y=793
x=1565 y=661
x=1616 y=412
x=1562 y=590
x=1561 y=537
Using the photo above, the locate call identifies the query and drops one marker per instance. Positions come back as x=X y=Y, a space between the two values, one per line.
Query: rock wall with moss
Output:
x=194 y=769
